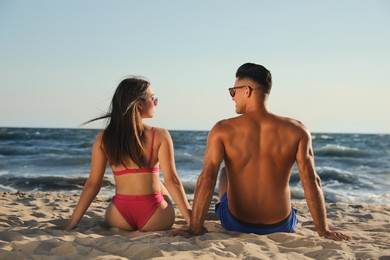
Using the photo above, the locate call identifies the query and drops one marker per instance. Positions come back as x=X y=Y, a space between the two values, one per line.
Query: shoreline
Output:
x=27 y=222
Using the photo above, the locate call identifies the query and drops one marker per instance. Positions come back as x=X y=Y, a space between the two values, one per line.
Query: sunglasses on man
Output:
x=232 y=91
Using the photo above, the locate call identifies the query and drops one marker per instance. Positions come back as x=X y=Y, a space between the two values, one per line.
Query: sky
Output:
x=60 y=61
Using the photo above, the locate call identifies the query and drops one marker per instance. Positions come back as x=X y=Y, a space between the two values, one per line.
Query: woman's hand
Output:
x=65 y=227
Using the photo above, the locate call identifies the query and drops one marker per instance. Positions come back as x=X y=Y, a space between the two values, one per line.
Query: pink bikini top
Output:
x=141 y=170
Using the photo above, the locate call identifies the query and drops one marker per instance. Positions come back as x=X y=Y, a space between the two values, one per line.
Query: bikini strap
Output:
x=151 y=148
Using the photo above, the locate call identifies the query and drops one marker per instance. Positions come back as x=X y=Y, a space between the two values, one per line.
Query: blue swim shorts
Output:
x=229 y=222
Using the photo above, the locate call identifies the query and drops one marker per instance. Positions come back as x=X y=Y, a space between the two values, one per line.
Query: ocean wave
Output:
x=186 y=162
x=55 y=160
x=294 y=178
x=7 y=189
x=187 y=158
x=2 y=172
x=23 y=134
x=328 y=174
x=16 y=151
x=26 y=150
x=322 y=137
x=381 y=198
x=334 y=177
x=8 y=134
x=47 y=183
x=189 y=187
x=297 y=193
x=332 y=150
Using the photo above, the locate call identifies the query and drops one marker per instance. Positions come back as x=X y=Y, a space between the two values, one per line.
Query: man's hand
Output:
x=337 y=236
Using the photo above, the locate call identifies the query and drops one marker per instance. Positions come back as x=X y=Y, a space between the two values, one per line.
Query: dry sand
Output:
x=27 y=222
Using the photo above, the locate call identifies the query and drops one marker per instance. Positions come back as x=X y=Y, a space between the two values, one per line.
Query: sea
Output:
x=354 y=168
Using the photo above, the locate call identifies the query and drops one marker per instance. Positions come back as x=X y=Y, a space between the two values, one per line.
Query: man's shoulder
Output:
x=292 y=124
x=223 y=127
x=227 y=121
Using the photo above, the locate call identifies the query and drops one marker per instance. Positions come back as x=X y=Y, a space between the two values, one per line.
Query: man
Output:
x=259 y=150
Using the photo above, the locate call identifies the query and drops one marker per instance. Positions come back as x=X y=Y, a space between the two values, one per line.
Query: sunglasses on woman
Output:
x=155 y=101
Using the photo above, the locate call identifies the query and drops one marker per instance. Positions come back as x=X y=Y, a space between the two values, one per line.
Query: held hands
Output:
x=187 y=233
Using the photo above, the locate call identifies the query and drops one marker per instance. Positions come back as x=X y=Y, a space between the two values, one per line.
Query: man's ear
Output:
x=248 y=92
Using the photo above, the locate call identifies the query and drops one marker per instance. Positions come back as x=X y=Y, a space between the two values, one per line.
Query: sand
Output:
x=27 y=222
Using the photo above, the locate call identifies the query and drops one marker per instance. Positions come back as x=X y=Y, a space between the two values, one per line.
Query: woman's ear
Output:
x=139 y=105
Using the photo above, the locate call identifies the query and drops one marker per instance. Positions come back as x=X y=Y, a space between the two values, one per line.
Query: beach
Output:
x=28 y=221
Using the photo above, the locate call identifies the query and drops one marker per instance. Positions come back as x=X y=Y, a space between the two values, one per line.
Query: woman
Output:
x=135 y=152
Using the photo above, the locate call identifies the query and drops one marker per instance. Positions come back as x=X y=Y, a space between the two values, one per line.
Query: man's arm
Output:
x=311 y=183
x=207 y=179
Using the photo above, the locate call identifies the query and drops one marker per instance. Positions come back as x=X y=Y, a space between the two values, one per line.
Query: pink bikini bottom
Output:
x=137 y=209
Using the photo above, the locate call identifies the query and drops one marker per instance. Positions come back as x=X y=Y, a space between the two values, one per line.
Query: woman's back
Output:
x=132 y=179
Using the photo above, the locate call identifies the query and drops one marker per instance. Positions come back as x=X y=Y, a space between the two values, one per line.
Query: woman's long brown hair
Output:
x=123 y=138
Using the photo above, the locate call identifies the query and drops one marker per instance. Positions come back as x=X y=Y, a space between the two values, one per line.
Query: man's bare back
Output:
x=259 y=150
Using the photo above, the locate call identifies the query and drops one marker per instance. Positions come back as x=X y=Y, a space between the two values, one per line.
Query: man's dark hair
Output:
x=257 y=73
